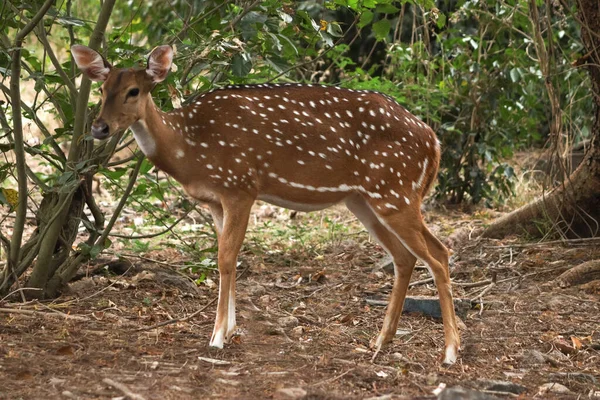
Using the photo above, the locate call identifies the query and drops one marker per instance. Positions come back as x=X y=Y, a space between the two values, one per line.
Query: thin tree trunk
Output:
x=61 y=232
x=572 y=209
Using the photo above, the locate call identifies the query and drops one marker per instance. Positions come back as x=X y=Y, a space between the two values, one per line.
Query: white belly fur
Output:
x=278 y=201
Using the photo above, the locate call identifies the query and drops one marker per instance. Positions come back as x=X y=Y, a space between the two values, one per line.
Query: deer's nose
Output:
x=100 y=129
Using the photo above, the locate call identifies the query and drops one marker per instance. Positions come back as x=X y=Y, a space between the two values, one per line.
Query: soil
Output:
x=305 y=323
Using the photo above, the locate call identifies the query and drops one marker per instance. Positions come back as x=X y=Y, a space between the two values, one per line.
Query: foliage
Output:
x=466 y=68
x=476 y=83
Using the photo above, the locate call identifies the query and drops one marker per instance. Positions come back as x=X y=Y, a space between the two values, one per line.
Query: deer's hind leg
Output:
x=408 y=227
x=404 y=263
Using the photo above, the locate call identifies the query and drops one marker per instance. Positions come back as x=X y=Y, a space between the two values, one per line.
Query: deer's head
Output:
x=125 y=91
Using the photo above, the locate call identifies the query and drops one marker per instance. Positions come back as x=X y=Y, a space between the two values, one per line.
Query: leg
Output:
x=408 y=227
x=234 y=221
x=404 y=263
x=216 y=211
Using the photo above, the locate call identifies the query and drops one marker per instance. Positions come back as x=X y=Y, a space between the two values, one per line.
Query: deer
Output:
x=303 y=147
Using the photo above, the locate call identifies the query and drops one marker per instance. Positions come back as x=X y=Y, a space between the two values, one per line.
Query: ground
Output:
x=306 y=314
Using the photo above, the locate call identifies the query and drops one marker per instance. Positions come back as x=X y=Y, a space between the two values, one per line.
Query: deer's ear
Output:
x=159 y=63
x=90 y=62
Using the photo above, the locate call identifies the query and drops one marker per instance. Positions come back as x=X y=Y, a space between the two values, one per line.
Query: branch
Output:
x=39 y=124
x=15 y=95
x=242 y=15
x=317 y=57
x=153 y=235
x=86 y=84
x=67 y=81
x=128 y=189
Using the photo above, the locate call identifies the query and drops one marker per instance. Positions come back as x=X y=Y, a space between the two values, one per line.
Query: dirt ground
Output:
x=305 y=322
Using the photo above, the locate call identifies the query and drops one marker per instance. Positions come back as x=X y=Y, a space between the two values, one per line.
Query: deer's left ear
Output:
x=159 y=63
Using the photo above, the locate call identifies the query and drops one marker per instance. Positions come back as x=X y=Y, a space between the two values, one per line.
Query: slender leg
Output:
x=235 y=213
x=409 y=228
x=404 y=263
x=216 y=210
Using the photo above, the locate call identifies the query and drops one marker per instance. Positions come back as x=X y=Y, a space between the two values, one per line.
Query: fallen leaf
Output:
x=576 y=343
x=22 y=375
x=317 y=276
x=346 y=318
x=563 y=346
x=65 y=351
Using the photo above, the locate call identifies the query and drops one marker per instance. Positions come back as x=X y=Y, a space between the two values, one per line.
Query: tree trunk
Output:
x=55 y=247
x=572 y=209
x=61 y=210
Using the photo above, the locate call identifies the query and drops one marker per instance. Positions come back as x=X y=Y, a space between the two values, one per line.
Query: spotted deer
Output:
x=303 y=147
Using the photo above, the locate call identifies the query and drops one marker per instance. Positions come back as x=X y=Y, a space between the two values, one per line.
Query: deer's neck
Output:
x=158 y=139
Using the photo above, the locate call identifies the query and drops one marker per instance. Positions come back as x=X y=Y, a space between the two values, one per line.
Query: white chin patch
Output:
x=143 y=138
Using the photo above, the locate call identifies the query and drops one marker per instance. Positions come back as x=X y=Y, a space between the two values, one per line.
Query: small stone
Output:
x=502 y=386
x=383 y=397
x=298 y=331
x=266 y=299
x=290 y=393
x=256 y=290
x=534 y=357
x=553 y=387
x=288 y=321
x=399 y=357
x=458 y=392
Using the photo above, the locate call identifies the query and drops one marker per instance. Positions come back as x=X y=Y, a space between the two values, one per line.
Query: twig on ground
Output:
x=335 y=378
x=124 y=389
x=472 y=284
x=119 y=254
x=44 y=314
x=549 y=243
x=421 y=282
x=375 y=354
x=18 y=290
x=483 y=292
x=214 y=361
x=175 y=320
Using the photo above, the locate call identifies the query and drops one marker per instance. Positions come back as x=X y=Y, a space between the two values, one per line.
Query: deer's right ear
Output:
x=90 y=62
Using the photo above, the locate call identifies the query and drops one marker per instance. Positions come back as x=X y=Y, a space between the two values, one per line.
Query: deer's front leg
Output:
x=232 y=216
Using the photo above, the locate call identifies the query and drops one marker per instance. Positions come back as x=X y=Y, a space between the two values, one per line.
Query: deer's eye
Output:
x=133 y=92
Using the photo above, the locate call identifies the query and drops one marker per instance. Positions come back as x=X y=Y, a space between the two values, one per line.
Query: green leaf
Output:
x=114 y=175
x=386 y=9
x=514 y=74
x=441 y=22
x=334 y=29
x=365 y=18
x=146 y=166
x=240 y=66
x=382 y=29
x=65 y=177
x=369 y=3
x=96 y=250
